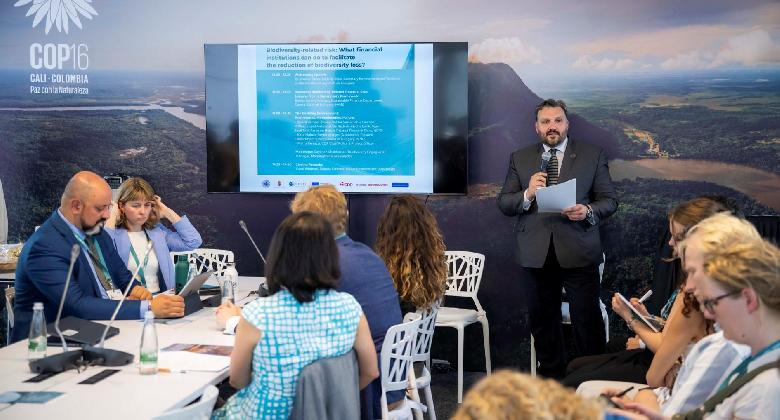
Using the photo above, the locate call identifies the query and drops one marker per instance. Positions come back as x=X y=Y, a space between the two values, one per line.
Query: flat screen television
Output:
x=378 y=118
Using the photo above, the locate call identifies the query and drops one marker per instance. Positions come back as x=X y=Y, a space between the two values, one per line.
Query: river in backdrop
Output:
x=195 y=119
x=758 y=184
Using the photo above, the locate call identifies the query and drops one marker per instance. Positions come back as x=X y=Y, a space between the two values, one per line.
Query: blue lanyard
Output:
x=99 y=260
x=742 y=368
x=137 y=262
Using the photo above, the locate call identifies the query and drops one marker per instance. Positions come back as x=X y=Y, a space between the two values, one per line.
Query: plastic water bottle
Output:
x=148 y=365
x=36 y=347
x=231 y=277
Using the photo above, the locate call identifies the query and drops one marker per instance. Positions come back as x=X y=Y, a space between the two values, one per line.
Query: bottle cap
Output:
x=37 y=305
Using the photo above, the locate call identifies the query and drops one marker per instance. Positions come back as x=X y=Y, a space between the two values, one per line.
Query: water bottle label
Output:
x=37 y=345
x=148 y=358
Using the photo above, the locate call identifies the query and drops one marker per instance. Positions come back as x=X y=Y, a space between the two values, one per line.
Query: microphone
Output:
x=68 y=359
x=545 y=160
x=124 y=295
x=74 y=254
x=243 y=226
x=87 y=355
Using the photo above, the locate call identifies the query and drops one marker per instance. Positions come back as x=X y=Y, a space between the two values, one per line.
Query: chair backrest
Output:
x=396 y=355
x=196 y=411
x=464 y=274
x=205 y=259
x=424 y=339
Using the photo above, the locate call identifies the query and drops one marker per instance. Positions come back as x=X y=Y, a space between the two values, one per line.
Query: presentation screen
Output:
x=367 y=118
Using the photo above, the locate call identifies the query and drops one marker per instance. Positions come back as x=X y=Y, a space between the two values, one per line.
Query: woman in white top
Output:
x=739 y=287
x=136 y=223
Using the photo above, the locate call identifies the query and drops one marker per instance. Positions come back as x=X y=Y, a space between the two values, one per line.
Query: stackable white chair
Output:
x=396 y=359
x=200 y=410
x=463 y=279
x=205 y=259
x=566 y=319
x=422 y=353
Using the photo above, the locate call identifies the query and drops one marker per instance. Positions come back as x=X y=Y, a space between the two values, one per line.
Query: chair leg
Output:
x=533 y=356
x=460 y=363
x=486 y=339
x=429 y=402
x=412 y=386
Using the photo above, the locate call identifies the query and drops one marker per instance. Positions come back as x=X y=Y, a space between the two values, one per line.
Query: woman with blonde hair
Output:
x=739 y=287
x=512 y=395
x=135 y=222
x=409 y=242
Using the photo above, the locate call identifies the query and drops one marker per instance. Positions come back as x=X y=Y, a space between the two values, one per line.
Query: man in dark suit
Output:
x=99 y=275
x=559 y=249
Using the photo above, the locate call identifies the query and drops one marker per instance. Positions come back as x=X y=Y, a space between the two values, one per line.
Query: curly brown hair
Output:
x=410 y=243
x=512 y=395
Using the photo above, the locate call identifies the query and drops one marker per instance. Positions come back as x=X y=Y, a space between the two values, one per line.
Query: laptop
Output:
x=78 y=332
x=195 y=283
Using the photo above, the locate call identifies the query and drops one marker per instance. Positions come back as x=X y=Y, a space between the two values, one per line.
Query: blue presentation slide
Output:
x=358 y=116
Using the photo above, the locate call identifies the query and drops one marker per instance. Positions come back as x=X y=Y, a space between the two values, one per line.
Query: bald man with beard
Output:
x=99 y=275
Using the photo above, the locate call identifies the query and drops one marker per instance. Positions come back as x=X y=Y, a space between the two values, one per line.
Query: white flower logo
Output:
x=58 y=12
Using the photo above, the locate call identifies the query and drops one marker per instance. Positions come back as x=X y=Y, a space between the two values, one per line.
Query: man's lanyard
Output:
x=742 y=368
x=100 y=262
x=137 y=262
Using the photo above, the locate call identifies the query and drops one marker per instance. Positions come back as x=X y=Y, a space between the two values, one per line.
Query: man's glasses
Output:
x=710 y=304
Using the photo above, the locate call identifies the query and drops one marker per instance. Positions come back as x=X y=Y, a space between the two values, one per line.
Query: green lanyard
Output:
x=742 y=368
x=137 y=262
x=99 y=260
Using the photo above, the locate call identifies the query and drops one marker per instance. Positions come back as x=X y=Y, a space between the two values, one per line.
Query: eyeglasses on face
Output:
x=710 y=304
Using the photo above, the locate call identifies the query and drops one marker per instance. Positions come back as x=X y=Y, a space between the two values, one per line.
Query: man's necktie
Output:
x=552 y=168
x=93 y=254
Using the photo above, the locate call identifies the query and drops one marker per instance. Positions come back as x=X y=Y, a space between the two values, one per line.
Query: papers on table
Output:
x=557 y=197
x=182 y=361
x=194 y=357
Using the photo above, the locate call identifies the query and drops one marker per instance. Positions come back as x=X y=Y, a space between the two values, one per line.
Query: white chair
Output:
x=422 y=353
x=196 y=411
x=566 y=319
x=396 y=365
x=205 y=259
x=10 y=294
x=463 y=279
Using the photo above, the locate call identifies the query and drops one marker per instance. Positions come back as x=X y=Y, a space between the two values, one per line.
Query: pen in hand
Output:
x=646 y=296
x=624 y=392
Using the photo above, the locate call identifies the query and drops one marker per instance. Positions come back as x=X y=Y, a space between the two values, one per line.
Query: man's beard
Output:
x=552 y=143
x=94 y=230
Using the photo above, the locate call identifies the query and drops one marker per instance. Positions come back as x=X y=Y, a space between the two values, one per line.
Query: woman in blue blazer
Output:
x=136 y=222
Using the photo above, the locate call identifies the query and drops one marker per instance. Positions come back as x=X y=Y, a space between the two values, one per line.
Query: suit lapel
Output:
x=569 y=161
x=67 y=234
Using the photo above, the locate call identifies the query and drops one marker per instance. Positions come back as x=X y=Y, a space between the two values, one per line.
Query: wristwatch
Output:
x=589 y=216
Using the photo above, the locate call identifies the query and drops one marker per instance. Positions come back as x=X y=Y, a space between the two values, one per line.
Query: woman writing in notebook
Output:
x=136 y=222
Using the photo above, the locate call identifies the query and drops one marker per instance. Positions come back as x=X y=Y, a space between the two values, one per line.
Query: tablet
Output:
x=649 y=322
x=194 y=284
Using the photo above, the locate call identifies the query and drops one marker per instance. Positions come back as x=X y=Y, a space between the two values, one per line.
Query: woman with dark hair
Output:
x=135 y=222
x=409 y=242
x=303 y=319
x=656 y=364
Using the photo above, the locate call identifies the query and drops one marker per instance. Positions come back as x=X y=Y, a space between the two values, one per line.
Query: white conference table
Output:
x=126 y=394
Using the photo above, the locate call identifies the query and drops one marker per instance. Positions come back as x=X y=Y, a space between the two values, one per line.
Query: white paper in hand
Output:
x=555 y=198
